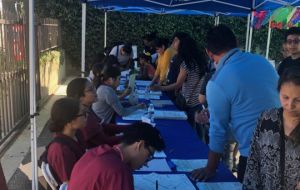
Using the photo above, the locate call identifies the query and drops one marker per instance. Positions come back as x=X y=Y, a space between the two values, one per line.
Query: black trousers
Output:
x=242 y=168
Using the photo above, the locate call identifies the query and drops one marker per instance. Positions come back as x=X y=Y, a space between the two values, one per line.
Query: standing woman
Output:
x=108 y=103
x=192 y=68
x=95 y=133
x=67 y=116
x=274 y=159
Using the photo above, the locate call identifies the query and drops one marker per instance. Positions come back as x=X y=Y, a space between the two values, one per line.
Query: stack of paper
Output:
x=161 y=103
x=142 y=82
x=220 y=186
x=136 y=116
x=189 y=165
x=163 y=181
x=160 y=154
x=150 y=96
x=166 y=114
x=143 y=91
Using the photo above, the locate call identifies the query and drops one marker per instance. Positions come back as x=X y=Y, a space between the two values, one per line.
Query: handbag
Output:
x=181 y=102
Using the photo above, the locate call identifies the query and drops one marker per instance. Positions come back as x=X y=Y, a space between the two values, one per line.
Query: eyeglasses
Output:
x=84 y=114
x=151 y=154
x=295 y=41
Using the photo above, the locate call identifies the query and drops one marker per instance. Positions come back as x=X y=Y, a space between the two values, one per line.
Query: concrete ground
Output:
x=16 y=161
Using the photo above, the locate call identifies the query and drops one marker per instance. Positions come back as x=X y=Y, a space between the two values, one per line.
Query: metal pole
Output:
x=251 y=31
x=247 y=33
x=268 y=41
x=218 y=20
x=83 y=28
x=34 y=182
x=105 y=27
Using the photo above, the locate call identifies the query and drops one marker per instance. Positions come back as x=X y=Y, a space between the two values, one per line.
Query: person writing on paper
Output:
x=108 y=104
x=111 y=168
x=274 y=159
x=67 y=117
x=192 y=68
x=165 y=55
x=243 y=86
x=95 y=132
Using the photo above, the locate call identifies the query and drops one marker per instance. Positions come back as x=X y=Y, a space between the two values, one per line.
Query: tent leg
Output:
x=247 y=33
x=105 y=28
x=251 y=32
x=268 y=41
x=83 y=29
x=32 y=89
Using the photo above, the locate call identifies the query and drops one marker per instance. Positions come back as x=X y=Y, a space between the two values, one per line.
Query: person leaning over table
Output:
x=111 y=168
x=274 y=159
x=192 y=68
x=108 y=103
x=165 y=55
x=95 y=132
x=243 y=86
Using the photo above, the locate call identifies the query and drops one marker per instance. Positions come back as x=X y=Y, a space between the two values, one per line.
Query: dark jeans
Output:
x=190 y=111
x=242 y=168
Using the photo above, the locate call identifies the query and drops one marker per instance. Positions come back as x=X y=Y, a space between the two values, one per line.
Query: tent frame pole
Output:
x=83 y=32
x=105 y=28
x=251 y=32
x=247 y=32
x=269 y=40
x=32 y=91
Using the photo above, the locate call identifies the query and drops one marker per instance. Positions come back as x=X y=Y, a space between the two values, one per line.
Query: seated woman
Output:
x=67 y=116
x=108 y=103
x=274 y=159
x=146 y=69
x=95 y=133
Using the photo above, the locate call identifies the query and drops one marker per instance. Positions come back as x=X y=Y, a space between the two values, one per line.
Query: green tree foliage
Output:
x=132 y=26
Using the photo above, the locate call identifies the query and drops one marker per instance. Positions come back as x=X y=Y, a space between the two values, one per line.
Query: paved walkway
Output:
x=16 y=161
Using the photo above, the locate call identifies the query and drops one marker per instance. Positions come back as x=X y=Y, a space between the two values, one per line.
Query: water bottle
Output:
x=151 y=112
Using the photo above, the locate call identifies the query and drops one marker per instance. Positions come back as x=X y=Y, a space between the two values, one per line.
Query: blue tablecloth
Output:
x=182 y=143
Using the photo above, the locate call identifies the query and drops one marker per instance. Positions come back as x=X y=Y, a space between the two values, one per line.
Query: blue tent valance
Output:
x=193 y=7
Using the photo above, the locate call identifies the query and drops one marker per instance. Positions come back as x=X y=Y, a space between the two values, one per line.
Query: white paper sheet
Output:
x=160 y=154
x=157 y=165
x=158 y=114
x=165 y=182
x=189 y=165
x=166 y=114
x=142 y=82
x=135 y=116
x=161 y=103
x=142 y=91
x=219 y=186
x=150 y=96
x=124 y=73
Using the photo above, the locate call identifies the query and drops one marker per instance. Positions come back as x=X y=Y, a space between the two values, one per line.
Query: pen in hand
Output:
x=156 y=185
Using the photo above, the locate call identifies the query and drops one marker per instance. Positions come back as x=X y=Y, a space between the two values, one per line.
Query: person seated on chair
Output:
x=95 y=133
x=67 y=116
x=111 y=168
x=146 y=69
x=108 y=103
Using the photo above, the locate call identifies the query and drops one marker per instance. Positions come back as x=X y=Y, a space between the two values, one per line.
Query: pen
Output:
x=156 y=185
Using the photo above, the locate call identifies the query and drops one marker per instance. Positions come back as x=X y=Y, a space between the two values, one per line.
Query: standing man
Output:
x=110 y=168
x=243 y=86
x=292 y=41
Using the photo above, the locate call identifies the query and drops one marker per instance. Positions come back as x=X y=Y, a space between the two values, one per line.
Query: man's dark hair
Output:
x=220 y=38
x=143 y=131
x=76 y=87
x=160 y=42
x=292 y=31
x=127 y=48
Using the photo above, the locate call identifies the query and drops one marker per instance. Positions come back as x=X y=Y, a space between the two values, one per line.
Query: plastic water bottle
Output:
x=151 y=112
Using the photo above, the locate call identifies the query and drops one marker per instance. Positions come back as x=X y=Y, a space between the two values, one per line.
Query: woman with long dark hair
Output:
x=192 y=68
x=108 y=103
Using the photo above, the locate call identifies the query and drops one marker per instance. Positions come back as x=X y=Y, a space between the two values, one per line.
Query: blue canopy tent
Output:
x=191 y=7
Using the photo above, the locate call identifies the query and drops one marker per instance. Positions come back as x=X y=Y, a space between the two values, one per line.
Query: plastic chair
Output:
x=48 y=176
